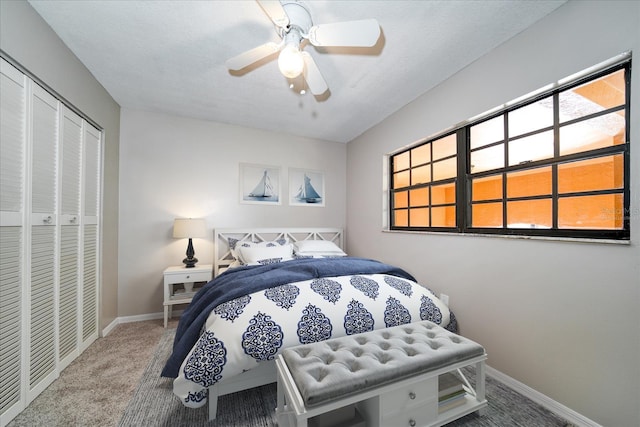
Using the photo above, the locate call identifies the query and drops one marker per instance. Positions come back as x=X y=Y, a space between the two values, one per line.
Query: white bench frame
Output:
x=291 y=410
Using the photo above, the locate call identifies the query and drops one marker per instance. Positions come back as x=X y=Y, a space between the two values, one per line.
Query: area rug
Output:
x=153 y=404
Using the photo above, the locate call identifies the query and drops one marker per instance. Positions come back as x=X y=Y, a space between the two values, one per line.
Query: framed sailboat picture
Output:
x=259 y=184
x=306 y=187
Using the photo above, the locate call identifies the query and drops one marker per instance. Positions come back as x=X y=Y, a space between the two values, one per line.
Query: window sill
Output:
x=505 y=236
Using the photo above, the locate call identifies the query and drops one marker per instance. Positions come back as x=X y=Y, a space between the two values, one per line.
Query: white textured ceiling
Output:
x=169 y=56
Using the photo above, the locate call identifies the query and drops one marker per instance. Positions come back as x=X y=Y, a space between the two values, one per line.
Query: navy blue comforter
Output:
x=246 y=280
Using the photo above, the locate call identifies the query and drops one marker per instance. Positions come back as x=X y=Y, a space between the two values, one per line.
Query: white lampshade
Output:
x=189 y=227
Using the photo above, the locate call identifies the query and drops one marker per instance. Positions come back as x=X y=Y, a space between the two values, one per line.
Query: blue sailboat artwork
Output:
x=306 y=193
x=263 y=191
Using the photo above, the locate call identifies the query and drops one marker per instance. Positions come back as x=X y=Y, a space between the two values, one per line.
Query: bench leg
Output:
x=480 y=385
x=286 y=416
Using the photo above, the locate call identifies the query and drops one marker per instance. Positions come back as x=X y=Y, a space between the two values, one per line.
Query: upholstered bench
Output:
x=390 y=374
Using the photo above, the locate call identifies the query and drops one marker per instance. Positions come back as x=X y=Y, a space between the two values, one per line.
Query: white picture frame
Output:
x=260 y=184
x=306 y=187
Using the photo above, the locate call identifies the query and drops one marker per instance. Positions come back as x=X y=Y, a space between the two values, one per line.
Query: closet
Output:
x=50 y=177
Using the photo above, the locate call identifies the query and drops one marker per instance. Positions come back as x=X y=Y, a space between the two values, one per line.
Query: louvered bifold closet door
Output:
x=12 y=172
x=42 y=289
x=91 y=233
x=50 y=181
x=70 y=270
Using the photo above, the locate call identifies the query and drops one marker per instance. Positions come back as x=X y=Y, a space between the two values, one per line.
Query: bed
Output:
x=275 y=288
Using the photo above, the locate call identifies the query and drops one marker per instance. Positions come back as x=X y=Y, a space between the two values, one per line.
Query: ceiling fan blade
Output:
x=275 y=11
x=249 y=57
x=364 y=33
x=315 y=81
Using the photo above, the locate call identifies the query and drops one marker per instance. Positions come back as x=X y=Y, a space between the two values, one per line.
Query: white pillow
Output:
x=317 y=248
x=235 y=245
x=262 y=254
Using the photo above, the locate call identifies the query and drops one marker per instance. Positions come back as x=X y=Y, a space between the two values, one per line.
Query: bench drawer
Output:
x=416 y=417
x=415 y=395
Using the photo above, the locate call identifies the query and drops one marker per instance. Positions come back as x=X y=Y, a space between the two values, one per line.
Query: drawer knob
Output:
x=412 y=395
x=188 y=277
x=412 y=422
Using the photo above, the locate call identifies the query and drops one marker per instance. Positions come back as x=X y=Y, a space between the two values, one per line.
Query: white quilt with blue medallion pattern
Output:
x=242 y=332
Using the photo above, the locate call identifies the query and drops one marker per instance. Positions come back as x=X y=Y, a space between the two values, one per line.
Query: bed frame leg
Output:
x=213 y=401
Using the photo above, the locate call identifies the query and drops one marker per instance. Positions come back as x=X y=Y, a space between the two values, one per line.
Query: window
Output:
x=554 y=165
x=424 y=179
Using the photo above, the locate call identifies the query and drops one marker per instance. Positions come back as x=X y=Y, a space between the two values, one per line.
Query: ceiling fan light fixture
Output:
x=293 y=23
x=290 y=61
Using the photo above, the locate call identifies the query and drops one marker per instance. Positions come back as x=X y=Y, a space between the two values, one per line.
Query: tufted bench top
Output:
x=338 y=367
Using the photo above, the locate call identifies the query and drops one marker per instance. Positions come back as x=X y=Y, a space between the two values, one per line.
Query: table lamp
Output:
x=189 y=228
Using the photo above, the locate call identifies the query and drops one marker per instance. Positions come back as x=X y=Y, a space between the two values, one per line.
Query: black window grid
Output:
x=464 y=201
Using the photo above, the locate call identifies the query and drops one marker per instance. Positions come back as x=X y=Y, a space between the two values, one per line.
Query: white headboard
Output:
x=222 y=254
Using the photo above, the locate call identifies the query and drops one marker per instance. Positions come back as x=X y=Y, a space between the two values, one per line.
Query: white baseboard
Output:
x=130 y=319
x=557 y=408
x=110 y=327
x=141 y=317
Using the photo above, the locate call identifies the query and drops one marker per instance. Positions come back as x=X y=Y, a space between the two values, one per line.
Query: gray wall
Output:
x=176 y=167
x=561 y=317
x=30 y=41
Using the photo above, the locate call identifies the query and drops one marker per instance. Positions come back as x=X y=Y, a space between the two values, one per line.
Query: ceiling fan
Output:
x=294 y=25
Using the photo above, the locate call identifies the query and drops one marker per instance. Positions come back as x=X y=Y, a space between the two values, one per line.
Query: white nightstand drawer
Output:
x=182 y=277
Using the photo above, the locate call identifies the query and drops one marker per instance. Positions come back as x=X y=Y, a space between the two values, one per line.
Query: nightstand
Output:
x=186 y=278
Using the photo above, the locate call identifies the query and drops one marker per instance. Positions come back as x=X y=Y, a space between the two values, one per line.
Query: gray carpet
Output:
x=94 y=390
x=153 y=404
